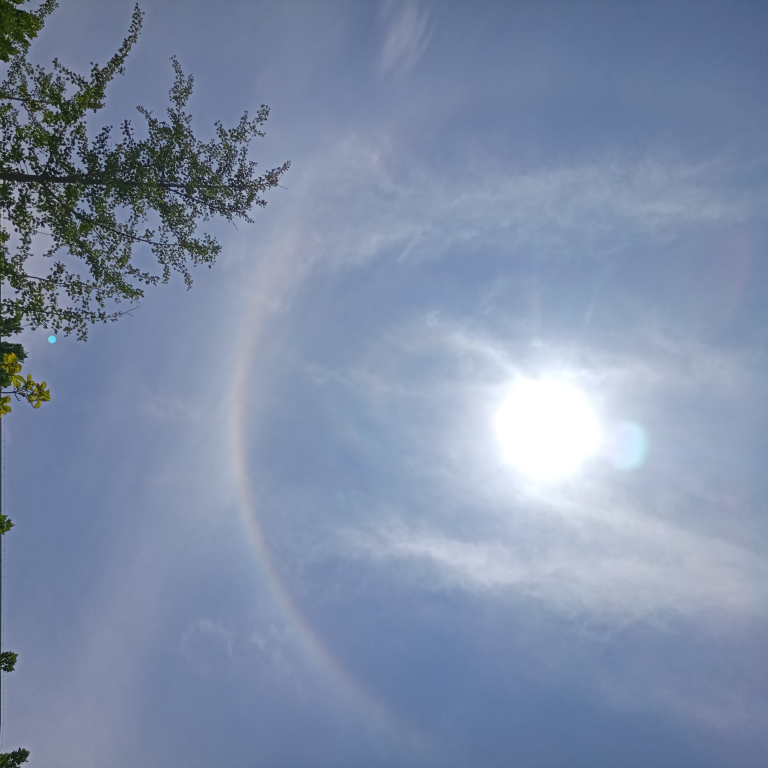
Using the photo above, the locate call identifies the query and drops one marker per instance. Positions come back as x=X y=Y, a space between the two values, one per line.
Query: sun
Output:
x=547 y=428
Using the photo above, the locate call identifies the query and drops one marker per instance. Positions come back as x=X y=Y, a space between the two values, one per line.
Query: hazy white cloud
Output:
x=623 y=566
x=362 y=200
x=407 y=37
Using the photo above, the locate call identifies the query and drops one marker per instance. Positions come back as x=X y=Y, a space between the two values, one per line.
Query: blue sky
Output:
x=268 y=521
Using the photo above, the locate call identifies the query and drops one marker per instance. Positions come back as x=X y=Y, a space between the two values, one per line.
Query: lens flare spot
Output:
x=51 y=339
x=547 y=428
x=628 y=446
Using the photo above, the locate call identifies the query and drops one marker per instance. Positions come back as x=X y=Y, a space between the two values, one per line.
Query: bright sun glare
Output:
x=547 y=428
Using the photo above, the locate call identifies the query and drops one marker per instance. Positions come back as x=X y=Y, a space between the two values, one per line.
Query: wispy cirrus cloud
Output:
x=362 y=200
x=407 y=36
x=624 y=567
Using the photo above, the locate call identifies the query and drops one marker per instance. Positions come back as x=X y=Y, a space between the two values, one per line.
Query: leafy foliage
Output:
x=8 y=661
x=14 y=759
x=17 y=27
x=22 y=389
x=103 y=200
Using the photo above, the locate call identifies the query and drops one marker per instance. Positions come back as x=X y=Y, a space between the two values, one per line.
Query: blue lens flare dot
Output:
x=628 y=448
x=51 y=339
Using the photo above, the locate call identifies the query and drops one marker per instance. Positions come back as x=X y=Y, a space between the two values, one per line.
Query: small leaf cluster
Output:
x=8 y=661
x=14 y=759
x=22 y=389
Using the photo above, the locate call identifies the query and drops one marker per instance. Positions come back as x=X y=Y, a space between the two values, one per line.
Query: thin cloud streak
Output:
x=634 y=569
x=407 y=38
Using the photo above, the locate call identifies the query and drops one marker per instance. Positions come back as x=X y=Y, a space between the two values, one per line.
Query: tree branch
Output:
x=44 y=178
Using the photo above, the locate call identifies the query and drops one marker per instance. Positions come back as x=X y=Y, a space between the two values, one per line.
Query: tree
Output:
x=102 y=200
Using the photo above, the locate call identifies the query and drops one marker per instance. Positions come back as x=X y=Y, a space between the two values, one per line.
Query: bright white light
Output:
x=547 y=428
